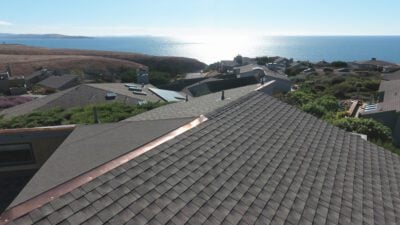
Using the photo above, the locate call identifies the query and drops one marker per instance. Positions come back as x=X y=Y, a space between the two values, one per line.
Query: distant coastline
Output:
x=311 y=48
x=41 y=36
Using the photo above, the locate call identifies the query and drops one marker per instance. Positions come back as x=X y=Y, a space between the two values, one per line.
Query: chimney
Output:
x=262 y=80
x=223 y=95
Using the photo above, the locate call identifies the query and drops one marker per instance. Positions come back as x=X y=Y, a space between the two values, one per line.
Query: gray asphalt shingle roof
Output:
x=58 y=82
x=391 y=99
x=81 y=95
x=89 y=146
x=195 y=106
x=255 y=161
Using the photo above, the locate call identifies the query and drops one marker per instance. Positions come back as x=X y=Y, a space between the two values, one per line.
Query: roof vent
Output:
x=134 y=88
x=223 y=95
x=139 y=92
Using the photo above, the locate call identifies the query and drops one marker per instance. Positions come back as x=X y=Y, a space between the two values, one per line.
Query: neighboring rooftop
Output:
x=379 y=63
x=195 y=106
x=256 y=160
x=267 y=72
x=391 y=76
x=83 y=95
x=391 y=99
x=60 y=82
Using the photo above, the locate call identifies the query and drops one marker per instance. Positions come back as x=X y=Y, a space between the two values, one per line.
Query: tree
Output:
x=128 y=76
x=339 y=64
x=238 y=59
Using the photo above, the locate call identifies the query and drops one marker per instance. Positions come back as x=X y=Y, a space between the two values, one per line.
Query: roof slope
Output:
x=391 y=99
x=255 y=161
x=90 y=146
x=391 y=76
x=78 y=96
x=195 y=106
x=58 y=82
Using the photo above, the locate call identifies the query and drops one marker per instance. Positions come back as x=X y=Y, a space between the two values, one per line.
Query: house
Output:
x=11 y=85
x=142 y=76
x=283 y=62
x=387 y=110
x=4 y=75
x=227 y=65
x=263 y=74
x=86 y=94
x=254 y=160
x=60 y=83
x=212 y=85
x=375 y=64
x=37 y=76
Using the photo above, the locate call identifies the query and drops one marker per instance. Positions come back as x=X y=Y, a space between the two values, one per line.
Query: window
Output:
x=16 y=154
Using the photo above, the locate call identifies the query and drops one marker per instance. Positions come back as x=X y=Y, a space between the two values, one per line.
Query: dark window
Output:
x=15 y=154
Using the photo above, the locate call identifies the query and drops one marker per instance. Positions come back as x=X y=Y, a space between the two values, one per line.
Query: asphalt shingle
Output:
x=255 y=161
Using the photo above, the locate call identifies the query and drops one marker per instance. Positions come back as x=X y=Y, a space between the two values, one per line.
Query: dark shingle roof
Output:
x=58 y=82
x=81 y=95
x=391 y=99
x=195 y=106
x=255 y=161
x=88 y=146
x=391 y=76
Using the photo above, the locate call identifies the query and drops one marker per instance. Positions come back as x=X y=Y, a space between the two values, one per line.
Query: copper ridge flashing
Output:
x=37 y=129
x=264 y=85
x=41 y=199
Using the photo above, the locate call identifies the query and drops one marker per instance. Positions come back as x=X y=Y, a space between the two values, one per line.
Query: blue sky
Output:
x=201 y=17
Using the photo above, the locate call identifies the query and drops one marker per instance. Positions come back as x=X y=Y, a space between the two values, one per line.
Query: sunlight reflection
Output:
x=211 y=49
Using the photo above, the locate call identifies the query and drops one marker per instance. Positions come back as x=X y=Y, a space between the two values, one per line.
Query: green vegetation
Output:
x=339 y=64
x=341 y=86
x=264 y=60
x=156 y=78
x=372 y=128
x=317 y=95
x=107 y=113
x=128 y=76
x=238 y=59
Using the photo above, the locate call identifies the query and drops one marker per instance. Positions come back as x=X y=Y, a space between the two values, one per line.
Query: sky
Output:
x=200 y=17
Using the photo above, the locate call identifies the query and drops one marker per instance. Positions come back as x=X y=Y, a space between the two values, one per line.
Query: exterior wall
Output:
x=280 y=85
x=43 y=144
x=396 y=132
x=388 y=118
x=5 y=85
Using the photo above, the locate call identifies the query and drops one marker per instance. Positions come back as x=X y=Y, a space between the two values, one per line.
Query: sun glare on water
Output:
x=211 y=49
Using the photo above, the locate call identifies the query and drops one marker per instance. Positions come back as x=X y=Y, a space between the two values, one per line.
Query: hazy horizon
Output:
x=181 y=18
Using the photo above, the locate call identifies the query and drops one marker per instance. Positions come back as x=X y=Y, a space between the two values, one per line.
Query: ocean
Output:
x=209 y=49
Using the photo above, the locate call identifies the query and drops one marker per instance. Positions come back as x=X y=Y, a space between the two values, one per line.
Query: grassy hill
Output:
x=26 y=59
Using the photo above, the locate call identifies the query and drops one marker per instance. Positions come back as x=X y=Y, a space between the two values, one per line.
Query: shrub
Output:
x=314 y=109
x=299 y=97
x=339 y=64
x=113 y=112
x=372 y=128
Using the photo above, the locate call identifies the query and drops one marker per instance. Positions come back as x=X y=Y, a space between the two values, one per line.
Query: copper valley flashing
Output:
x=41 y=199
